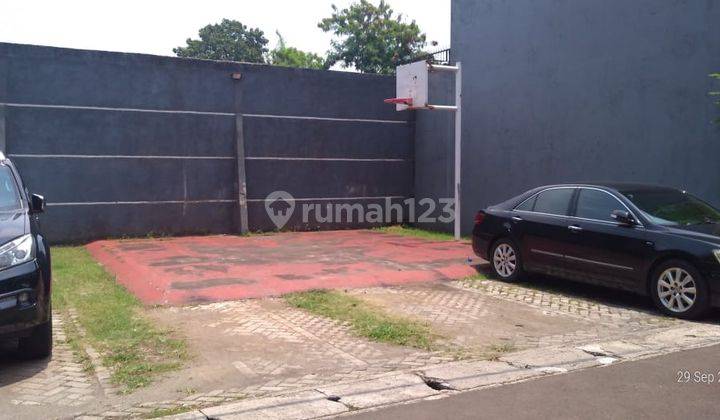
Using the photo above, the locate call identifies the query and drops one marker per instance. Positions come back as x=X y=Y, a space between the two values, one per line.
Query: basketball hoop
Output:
x=403 y=101
x=412 y=88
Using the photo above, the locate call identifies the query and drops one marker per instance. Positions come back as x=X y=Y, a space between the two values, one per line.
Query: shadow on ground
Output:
x=598 y=294
x=14 y=367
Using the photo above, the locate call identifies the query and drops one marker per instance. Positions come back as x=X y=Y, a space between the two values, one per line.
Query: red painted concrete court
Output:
x=215 y=268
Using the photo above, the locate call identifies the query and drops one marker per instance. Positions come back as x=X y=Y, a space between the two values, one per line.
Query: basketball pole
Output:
x=457 y=108
x=458 y=145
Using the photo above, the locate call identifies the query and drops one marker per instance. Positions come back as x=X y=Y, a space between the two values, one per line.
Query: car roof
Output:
x=617 y=186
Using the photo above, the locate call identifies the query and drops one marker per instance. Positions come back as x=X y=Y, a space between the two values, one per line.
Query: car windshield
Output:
x=672 y=207
x=9 y=195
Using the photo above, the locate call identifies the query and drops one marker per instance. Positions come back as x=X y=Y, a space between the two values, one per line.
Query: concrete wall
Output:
x=573 y=90
x=434 y=148
x=130 y=144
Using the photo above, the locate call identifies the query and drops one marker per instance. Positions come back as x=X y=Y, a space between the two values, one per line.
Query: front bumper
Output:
x=16 y=316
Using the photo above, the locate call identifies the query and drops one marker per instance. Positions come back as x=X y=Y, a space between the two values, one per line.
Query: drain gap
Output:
x=597 y=351
x=436 y=383
x=338 y=399
x=333 y=398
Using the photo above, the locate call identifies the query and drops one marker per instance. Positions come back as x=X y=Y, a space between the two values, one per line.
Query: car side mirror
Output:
x=37 y=203
x=623 y=217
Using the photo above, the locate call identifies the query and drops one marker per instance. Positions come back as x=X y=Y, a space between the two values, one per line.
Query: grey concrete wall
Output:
x=573 y=90
x=434 y=149
x=130 y=144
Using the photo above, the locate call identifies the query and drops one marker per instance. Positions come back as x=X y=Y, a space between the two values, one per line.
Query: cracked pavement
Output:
x=256 y=355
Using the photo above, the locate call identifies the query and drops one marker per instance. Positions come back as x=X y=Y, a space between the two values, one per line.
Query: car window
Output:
x=526 y=205
x=673 y=207
x=598 y=205
x=9 y=195
x=555 y=201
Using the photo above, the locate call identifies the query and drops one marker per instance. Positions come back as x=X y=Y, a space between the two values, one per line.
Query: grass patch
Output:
x=405 y=230
x=163 y=412
x=476 y=277
x=74 y=340
x=134 y=349
x=365 y=319
x=495 y=351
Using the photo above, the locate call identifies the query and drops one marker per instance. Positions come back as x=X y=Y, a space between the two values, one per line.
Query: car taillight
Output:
x=479 y=217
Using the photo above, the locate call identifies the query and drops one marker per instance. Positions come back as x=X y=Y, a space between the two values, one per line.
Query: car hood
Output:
x=12 y=225
x=705 y=232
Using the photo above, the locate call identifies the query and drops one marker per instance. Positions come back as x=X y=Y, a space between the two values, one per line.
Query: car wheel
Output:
x=505 y=260
x=38 y=344
x=679 y=290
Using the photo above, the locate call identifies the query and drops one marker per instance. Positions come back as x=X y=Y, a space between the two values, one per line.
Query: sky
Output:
x=156 y=26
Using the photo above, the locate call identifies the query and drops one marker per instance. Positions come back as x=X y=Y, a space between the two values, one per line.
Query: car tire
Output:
x=505 y=260
x=38 y=344
x=679 y=290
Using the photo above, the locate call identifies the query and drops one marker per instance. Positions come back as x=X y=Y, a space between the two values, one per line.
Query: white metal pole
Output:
x=458 y=154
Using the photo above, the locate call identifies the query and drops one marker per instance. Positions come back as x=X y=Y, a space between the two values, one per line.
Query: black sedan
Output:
x=25 y=311
x=647 y=239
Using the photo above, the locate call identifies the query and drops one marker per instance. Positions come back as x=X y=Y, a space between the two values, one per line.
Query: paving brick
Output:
x=61 y=381
x=617 y=329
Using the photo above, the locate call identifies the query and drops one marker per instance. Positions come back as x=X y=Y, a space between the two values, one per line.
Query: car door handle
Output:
x=575 y=228
x=517 y=219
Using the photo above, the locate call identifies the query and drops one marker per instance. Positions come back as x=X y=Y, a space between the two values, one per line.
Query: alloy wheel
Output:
x=677 y=290
x=505 y=260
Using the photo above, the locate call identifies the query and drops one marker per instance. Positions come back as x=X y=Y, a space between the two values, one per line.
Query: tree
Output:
x=286 y=56
x=369 y=38
x=227 y=40
x=716 y=94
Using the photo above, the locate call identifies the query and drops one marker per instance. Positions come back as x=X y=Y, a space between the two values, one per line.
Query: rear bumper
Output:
x=16 y=317
x=480 y=245
x=710 y=270
x=714 y=281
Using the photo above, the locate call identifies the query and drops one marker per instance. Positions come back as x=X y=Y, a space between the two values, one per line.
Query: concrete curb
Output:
x=447 y=379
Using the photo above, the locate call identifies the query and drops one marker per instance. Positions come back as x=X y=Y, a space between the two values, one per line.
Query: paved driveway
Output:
x=252 y=349
x=217 y=268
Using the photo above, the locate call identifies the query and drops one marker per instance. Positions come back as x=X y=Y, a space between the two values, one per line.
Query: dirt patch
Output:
x=253 y=344
x=293 y=277
x=202 y=284
x=472 y=322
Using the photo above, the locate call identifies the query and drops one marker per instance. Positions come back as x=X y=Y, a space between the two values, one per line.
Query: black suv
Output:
x=24 y=267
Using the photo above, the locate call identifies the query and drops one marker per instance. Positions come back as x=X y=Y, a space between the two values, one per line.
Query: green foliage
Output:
x=228 y=40
x=169 y=411
x=370 y=38
x=416 y=232
x=130 y=345
x=365 y=319
x=286 y=56
x=716 y=76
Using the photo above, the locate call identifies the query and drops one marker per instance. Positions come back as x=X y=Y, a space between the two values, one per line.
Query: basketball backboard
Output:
x=411 y=82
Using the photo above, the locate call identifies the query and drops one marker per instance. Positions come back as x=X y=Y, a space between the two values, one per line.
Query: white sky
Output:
x=156 y=26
